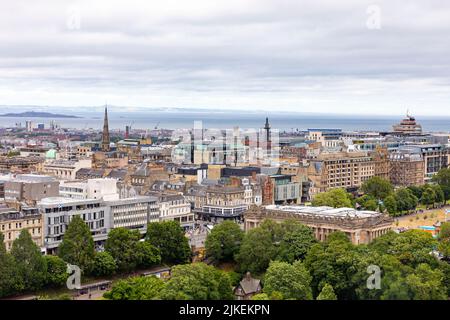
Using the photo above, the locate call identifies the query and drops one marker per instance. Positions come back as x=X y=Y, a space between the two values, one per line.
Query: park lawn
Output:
x=411 y=221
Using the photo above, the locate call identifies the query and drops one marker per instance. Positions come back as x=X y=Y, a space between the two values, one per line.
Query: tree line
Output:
x=292 y=264
x=25 y=269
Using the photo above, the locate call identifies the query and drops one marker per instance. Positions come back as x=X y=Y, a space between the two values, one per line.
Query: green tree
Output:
x=10 y=282
x=56 y=271
x=333 y=262
x=136 y=288
x=391 y=205
x=77 y=246
x=444 y=266
x=416 y=190
x=295 y=241
x=291 y=280
x=224 y=241
x=147 y=255
x=426 y=284
x=104 y=264
x=377 y=187
x=336 y=198
x=442 y=178
x=327 y=293
x=257 y=250
x=260 y=296
x=367 y=202
x=29 y=261
x=444 y=232
x=444 y=248
x=275 y=229
x=410 y=248
x=235 y=277
x=393 y=273
x=405 y=199
x=121 y=244
x=169 y=238
x=439 y=194
x=428 y=196
x=197 y=281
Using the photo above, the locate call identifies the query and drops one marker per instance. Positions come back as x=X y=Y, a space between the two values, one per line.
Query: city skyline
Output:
x=346 y=58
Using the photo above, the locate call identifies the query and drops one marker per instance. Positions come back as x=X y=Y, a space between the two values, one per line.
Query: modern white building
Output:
x=100 y=215
x=133 y=213
x=57 y=212
x=102 y=188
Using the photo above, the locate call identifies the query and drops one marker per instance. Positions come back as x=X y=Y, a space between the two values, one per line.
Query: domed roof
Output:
x=50 y=154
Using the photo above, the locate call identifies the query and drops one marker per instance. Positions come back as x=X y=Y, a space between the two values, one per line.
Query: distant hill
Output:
x=33 y=114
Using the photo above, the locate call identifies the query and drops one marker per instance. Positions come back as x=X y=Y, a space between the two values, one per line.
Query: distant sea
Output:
x=282 y=121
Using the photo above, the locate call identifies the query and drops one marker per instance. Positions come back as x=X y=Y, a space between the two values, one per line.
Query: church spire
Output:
x=268 y=137
x=105 y=136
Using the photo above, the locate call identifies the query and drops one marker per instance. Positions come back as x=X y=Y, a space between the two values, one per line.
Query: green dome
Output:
x=51 y=154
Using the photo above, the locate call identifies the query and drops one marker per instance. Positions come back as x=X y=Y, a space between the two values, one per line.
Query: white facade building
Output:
x=57 y=212
x=133 y=213
x=102 y=188
x=176 y=207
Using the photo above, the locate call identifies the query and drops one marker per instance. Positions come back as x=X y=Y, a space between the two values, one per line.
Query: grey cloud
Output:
x=289 y=52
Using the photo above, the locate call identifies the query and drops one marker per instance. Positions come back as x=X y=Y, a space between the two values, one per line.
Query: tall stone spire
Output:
x=105 y=136
x=268 y=137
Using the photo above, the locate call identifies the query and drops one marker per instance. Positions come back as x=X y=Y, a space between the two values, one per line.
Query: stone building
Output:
x=435 y=156
x=380 y=157
x=21 y=164
x=175 y=207
x=225 y=203
x=267 y=186
x=146 y=174
x=360 y=226
x=328 y=138
x=348 y=170
x=407 y=168
x=30 y=188
x=66 y=169
x=13 y=221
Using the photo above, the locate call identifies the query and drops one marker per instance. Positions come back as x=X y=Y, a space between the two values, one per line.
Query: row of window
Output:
x=84 y=216
x=70 y=208
x=34 y=231
x=18 y=225
x=56 y=230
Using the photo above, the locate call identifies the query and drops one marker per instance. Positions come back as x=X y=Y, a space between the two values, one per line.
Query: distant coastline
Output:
x=34 y=114
x=118 y=120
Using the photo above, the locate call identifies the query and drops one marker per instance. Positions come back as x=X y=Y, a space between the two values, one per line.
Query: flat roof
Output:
x=135 y=199
x=63 y=200
x=28 y=178
x=325 y=211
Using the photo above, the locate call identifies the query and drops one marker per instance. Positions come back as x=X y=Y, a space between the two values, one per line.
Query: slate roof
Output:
x=249 y=285
x=117 y=174
x=142 y=171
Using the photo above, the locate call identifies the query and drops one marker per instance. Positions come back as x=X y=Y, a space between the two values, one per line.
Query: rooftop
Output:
x=63 y=200
x=28 y=178
x=325 y=211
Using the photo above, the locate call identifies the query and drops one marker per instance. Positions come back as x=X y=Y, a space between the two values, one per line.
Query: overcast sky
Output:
x=309 y=56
